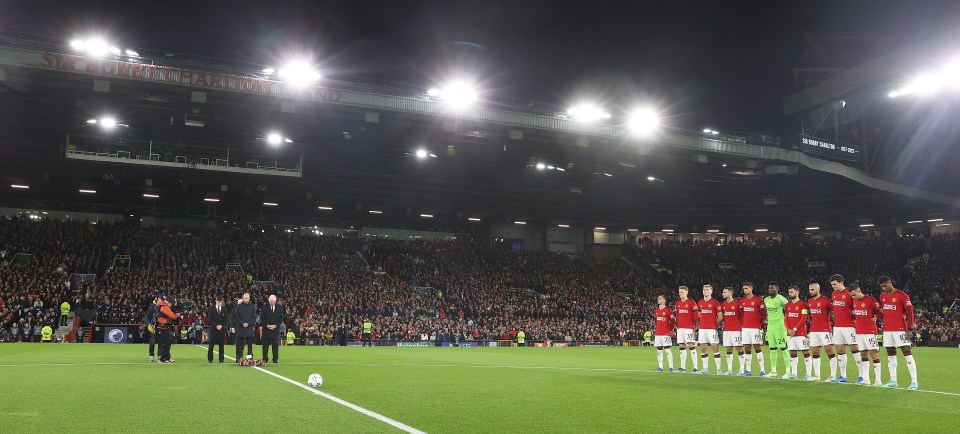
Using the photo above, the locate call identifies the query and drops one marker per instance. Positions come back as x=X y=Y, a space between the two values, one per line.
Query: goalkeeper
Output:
x=776 y=328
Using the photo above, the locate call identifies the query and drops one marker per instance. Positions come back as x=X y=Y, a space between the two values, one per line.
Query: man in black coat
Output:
x=271 y=317
x=217 y=317
x=244 y=318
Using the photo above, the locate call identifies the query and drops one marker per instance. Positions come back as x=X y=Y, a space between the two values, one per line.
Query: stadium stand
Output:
x=431 y=291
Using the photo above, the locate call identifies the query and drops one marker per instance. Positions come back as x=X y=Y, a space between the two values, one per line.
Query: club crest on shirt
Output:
x=863 y=305
x=894 y=299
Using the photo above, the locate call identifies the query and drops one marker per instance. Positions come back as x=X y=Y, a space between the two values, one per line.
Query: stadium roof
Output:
x=355 y=159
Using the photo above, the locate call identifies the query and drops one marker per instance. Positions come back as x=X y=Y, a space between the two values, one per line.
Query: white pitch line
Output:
x=567 y=368
x=347 y=404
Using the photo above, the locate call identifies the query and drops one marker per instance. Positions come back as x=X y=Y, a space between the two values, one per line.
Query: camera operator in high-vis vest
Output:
x=164 y=329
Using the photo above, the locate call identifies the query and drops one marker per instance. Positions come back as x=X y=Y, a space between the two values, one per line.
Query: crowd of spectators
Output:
x=424 y=290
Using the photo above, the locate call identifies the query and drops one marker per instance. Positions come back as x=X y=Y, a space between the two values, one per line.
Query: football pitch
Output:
x=111 y=388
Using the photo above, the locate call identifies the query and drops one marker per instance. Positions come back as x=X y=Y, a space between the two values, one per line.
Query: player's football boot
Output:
x=807 y=378
x=671 y=370
x=789 y=376
x=719 y=372
x=746 y=374
x=840 y=380
x=695 y=371
x=877 y=384
x=861 y=382
x=659 y=369
x=892 y=384
x=763 y=374
x=814 y=379
x=681 y=370
x=913 y=386
x=830 y=380
x=728 y=373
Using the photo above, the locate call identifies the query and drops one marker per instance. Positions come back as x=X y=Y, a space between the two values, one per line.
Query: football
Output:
x=315 y=380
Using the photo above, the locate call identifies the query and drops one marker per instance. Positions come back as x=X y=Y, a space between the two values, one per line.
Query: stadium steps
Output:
x=63 y=331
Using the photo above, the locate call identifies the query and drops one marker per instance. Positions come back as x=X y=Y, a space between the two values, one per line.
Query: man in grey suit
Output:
x=271 y=316
x=244 y=317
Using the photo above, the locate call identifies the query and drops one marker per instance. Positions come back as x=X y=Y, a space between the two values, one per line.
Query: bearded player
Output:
x=796 y=322
x=820 y=335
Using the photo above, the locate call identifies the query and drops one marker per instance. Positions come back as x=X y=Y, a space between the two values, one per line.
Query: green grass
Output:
x=113 y=389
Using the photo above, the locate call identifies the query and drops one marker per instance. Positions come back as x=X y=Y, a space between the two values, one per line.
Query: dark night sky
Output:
x=725 y=64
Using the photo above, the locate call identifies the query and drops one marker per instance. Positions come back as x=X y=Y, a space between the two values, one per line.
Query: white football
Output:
x=315 y=380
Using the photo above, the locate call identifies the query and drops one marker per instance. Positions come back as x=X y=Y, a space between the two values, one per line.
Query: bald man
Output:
x=244 y=317
x=271 y=316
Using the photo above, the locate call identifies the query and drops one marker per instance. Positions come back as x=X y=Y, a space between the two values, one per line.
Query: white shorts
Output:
x=752 y=337
x=844 y=335
x=867 y=343
x=797 y=343
x=686 y=336
x=732 y=339
x=708 y=336
x=895 y=340
x=662 y=341
x=821 y=339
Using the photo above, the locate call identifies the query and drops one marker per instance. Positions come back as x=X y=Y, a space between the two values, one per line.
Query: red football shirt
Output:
x=897 y=311
x=819 y=308
x=686 y=312
x=708 y=313
x=842 y=308
x=664 y=321
x=796 y=317
x=754 y=311
x=865 y=310
x=732 y=313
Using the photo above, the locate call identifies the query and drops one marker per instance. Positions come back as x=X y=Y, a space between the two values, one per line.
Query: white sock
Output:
x=833 y=367
x=857 y=360
x=670 y=357
x=730 y=362
x=748 y=362
x=716 y=359
x=706 y=361
x=693 y=358
x=743 y=362
x=660 y=359
x=760 y=359
x=683 y=359
x=912 y=367
x=865 y=371
x=807 y=365
x=816 y=366
x=876 y=369
x=794 y=361
x=842 y=364
x=892 y=367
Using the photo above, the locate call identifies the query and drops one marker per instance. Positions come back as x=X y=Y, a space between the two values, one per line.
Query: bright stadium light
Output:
x=108 y=122
x=131 y=53
x=934 y=220
x=458 y=94
x=269 y=70
x=325 y=208
x=20 y=186
x=276 y=139
x=427 y=216
x=914 y=221
x=713 y=231
x=85 y=191
x=298 y=73
x=422 y=153
x=151 y=196
x=762 y=230
x=588 y=112
x=667 y=230
x=643 y=120
x=651 y=178
x=867 y=225
x=473 y=219
x=541 y=166
x=598 y=228
x=519 y=222
x=270 y=204
x=563 y=226
x=210 y=199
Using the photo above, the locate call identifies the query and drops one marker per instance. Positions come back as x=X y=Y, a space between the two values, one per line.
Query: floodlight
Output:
x=274 y=139
x=459 y=94
x=422 y=153
x=132 y=53
x=541 y=166
x=299 y=73
x=588 y=112
x=108 y=122
x=643 y=120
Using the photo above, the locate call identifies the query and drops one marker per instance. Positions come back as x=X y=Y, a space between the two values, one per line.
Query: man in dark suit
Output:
x=217 y=317
x=271 y=317
x=244 y=317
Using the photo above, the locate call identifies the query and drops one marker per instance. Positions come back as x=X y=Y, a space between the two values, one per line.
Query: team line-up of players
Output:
x=853 y=313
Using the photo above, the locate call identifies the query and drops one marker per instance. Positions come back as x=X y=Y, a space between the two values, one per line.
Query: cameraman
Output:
x=164 y=337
